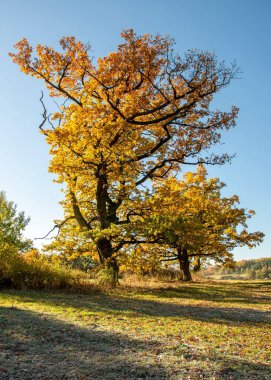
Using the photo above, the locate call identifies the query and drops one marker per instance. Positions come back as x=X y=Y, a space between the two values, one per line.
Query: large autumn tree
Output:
x=192 y=220
x=138 y=114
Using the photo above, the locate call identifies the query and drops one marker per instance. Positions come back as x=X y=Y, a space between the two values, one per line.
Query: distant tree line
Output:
x=258 y=269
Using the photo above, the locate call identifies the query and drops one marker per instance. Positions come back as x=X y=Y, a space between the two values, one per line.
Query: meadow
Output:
x=215 y=330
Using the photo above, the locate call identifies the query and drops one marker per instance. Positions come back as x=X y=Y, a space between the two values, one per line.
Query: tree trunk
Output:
x=105 y=251
x=184 y=264
x=106 y=214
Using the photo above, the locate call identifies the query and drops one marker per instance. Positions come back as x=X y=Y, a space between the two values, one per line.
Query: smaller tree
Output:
x=12 y=225
x=192 y=220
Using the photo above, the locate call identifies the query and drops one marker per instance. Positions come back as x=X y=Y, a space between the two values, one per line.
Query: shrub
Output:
x=106 y=277
x=33 y=271
x=9 y=262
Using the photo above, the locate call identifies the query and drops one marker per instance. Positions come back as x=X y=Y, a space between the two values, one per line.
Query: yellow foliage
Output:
x=192 y=214
x=134 y=116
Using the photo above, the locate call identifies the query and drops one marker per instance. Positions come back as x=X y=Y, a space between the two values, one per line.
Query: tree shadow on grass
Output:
x=219 y=367
x=115 y=305
x=35 y=346
x=142 y=307
x=221 y=292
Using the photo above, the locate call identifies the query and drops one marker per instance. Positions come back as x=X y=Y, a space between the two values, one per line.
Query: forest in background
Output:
x=256 y=269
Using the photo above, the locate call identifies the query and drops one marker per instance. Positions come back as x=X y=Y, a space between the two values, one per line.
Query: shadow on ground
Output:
x=113 y=304
x=219 y=367
x=33 y=346
x=243 y=292
x=38 y=346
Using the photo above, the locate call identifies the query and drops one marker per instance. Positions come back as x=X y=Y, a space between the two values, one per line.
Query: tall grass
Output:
x=34 y=271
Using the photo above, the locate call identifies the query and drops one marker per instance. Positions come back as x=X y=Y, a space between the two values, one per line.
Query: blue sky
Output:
x=235 y=30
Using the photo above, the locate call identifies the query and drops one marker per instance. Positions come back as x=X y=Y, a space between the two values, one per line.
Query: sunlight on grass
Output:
x=201 y=331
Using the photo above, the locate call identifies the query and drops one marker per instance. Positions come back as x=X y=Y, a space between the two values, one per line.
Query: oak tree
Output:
x=194 y=221
x=136 y=115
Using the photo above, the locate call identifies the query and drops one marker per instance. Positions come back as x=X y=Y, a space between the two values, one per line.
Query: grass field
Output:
x=196 y=331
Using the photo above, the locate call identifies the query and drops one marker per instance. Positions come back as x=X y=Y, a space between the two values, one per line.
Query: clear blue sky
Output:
x=234 y=30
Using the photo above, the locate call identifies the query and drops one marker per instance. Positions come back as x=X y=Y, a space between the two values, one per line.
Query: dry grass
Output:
x=160 y=331
x=148 y=282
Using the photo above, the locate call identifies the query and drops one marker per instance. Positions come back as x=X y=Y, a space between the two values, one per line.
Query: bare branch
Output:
x=56 y=226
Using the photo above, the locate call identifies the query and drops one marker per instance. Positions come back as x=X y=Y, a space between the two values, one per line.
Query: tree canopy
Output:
x=191 y=218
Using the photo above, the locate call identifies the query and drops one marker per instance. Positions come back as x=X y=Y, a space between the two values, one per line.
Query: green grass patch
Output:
x=197 y=331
